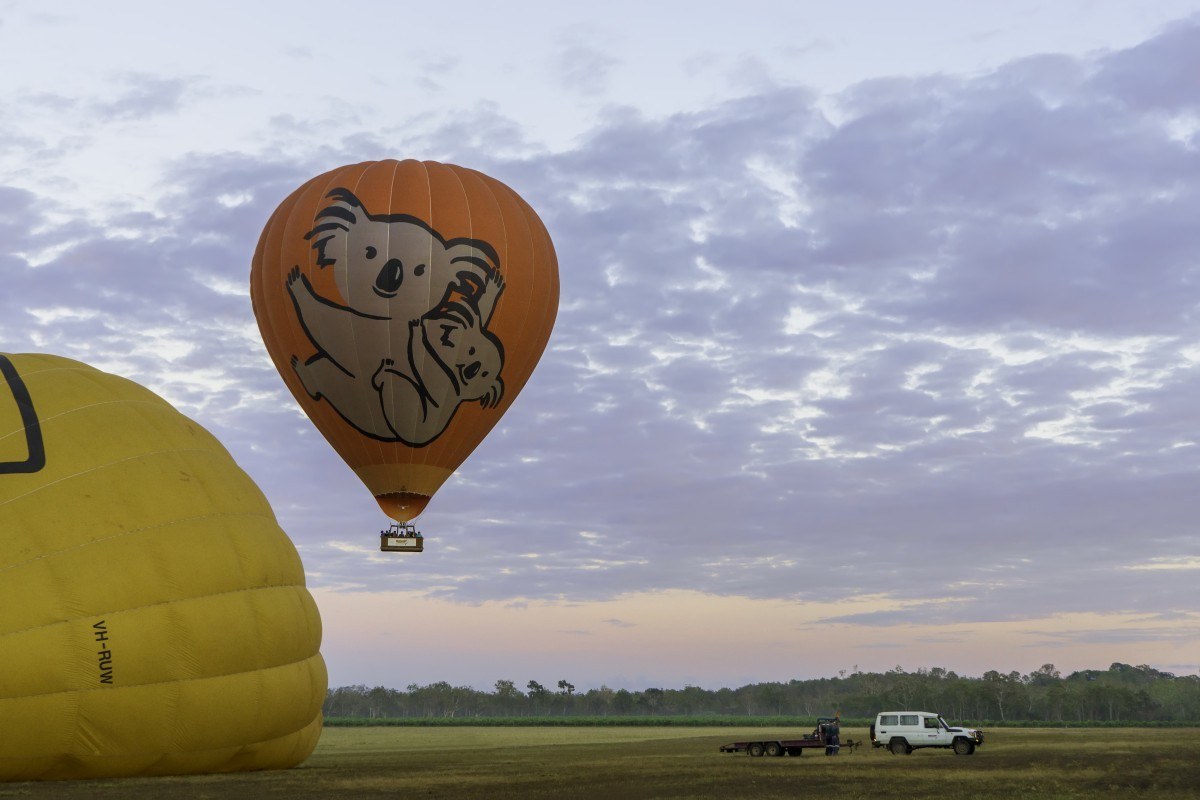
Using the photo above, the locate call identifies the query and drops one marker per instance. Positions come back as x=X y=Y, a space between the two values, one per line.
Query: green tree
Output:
x=507 y=695
x=599 y=701
x=537 y=693
x=651 y=700
x=1003 y=690
x=566 y=690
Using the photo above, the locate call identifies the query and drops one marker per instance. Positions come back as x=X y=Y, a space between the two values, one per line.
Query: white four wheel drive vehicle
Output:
x=904 y=731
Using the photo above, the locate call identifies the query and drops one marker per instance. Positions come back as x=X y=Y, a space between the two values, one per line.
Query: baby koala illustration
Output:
x=410 y=342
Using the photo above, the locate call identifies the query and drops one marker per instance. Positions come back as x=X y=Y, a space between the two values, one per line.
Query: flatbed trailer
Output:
x=774 y=747
x=778 y=746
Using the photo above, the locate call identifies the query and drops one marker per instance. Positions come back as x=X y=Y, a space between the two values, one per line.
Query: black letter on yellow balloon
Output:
x=29 y=418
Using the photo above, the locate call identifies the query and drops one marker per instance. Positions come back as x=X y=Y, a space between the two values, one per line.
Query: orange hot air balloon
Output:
x=405 y=304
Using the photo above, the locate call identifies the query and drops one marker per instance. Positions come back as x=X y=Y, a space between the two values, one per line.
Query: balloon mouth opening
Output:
x=402 y=506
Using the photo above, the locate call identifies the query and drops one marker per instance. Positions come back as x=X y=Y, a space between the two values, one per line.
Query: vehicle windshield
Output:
x=942 y=720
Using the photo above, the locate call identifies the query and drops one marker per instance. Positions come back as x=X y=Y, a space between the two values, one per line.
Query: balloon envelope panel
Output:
x=405 y=304
x=153 y=615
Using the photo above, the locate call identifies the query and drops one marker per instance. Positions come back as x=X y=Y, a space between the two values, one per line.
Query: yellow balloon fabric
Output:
x=153 y=615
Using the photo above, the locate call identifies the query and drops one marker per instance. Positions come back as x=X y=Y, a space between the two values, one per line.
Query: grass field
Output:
x=644 y=763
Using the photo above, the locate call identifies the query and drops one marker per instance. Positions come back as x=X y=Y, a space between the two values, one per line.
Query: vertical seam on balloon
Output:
x=378 y=445
x=460 y=440
x=522 y=358
x=420 y=455
x=411 y=434
x=528 y=297
x=360 y=448
x=450 y=437
x=399 y=450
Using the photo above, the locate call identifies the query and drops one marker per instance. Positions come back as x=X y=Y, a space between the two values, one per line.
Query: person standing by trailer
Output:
x=833 y=732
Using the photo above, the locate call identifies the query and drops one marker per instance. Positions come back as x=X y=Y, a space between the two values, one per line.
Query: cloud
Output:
x=941 y=349
x=1122 y=635
x=617 y=623
x=143 y=95
x=1143 y=77
x=582 y=67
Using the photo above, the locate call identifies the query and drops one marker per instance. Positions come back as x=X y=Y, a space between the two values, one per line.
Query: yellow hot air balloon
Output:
x=405 y=304
x=153 y=615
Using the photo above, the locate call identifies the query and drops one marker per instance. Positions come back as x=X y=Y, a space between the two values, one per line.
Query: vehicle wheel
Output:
x=755 y=749
x=964 y=747
x=774 y=749
x=899 y=747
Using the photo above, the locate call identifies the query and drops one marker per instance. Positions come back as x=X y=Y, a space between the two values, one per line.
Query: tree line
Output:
x=1122 y=693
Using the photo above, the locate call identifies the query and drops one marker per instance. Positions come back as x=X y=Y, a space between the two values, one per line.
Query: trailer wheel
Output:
x=964 y=747
x=755 y=749
x=899 y=747
x=774 y=749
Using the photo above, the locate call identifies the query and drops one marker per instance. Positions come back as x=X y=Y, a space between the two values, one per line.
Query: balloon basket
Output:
x=401 y=537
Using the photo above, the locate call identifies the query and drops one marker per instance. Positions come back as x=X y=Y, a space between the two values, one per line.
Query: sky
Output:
x=878 y=342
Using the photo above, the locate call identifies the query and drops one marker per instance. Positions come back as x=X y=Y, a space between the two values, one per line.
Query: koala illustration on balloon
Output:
x=411 y=340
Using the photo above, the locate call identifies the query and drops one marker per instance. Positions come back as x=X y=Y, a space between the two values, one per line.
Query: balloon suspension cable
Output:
x=401 y=537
